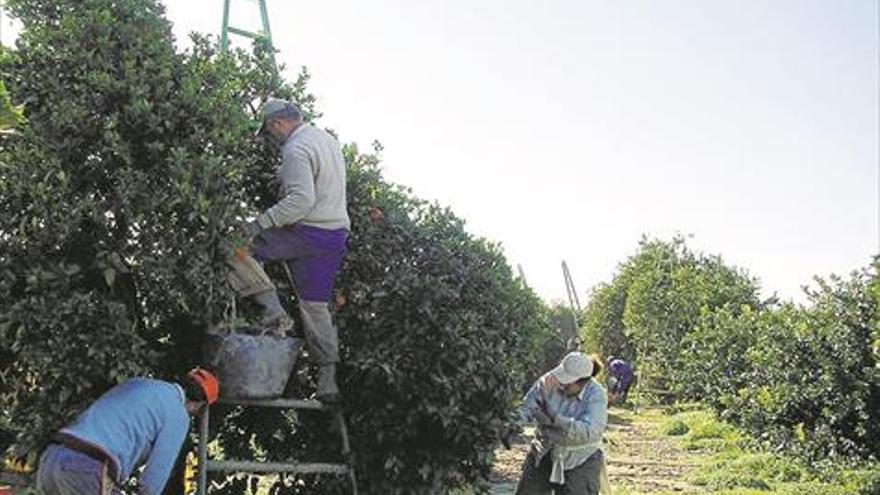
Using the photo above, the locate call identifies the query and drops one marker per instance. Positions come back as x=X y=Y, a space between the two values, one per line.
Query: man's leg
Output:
x=249 y=279
x=323 y=341
x=584 y=479
x=629 y=385
x=314 y=256
x=535 y=479
x=314 y=278
x=624 y=393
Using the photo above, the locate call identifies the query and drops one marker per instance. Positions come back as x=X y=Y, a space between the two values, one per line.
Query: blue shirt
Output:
x=140 y=421
x=580 y=424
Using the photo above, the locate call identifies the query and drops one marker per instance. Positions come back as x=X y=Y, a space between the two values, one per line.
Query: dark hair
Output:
x=192 y=390
x=597 y=365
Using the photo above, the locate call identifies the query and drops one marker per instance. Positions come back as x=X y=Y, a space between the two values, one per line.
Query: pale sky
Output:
x=566 y=129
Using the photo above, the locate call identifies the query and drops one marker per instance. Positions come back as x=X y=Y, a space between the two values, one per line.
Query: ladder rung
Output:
x=242 y=32
x=277 y=467
x=278 y=403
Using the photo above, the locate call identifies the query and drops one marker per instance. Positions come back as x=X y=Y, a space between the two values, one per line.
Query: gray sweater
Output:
x=311 y=182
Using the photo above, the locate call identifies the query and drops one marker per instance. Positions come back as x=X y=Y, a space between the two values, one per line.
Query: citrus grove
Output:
x=135 y=159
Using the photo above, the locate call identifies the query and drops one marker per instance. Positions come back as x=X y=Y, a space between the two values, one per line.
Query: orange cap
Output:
x=209 y=383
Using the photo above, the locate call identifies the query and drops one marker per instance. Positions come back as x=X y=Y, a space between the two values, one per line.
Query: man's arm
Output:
x=525 y=412
x=163 y=456
x=534 y=406
x=298 y=189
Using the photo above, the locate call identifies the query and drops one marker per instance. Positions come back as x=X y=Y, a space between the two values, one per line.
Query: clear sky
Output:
x=566 y=129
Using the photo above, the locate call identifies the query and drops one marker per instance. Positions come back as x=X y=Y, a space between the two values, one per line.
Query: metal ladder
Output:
x=239 y=466
x=226 y=29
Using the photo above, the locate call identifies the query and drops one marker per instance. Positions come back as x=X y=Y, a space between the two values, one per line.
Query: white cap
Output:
x=575 y=366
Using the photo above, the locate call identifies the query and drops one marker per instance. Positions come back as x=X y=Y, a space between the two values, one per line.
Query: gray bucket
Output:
x=250 y=365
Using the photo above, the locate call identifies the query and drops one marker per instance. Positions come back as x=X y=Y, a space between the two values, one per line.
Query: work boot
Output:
x=275 y=318
x=328 y=392
x=279 y=325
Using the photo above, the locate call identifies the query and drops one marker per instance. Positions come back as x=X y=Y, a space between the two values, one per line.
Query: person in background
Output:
x=621 y=376
x=140 y=422
x=571 y=410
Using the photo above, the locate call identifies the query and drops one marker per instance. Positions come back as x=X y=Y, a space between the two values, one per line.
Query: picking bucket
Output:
x=250 y=365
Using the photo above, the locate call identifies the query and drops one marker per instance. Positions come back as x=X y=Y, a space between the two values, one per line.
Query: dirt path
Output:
x=640 y=459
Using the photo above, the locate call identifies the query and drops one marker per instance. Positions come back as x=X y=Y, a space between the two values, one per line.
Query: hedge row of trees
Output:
x=135 y=161
x=804 y=378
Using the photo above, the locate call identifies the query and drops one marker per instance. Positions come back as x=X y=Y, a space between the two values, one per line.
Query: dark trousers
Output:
x=66 y=472
x=313 y=255
x=582 y=480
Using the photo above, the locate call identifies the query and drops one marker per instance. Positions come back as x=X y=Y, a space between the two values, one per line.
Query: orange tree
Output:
x=654 y=302
x=802 y=378
x=135 y=160
x=10 y=115
x=808 y=377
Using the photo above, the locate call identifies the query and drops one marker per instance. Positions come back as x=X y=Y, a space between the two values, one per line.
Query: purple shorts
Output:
x=313 y=255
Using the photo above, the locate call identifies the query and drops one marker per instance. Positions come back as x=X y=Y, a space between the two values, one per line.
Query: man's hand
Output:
x=551 y=383
x=542 y=418
x=543 y=414
x=249 y=231
x=552 y=436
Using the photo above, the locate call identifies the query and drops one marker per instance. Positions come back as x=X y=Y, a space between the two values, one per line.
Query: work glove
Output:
x=251 y=229
x=551 y=436
x=246 y=233
x=543 y=415
x=542 y=418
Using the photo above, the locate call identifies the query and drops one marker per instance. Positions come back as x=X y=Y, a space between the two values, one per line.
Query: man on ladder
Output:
x=307 y=229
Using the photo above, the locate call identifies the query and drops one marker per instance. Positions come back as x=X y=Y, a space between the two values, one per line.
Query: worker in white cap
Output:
x=571 y=410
